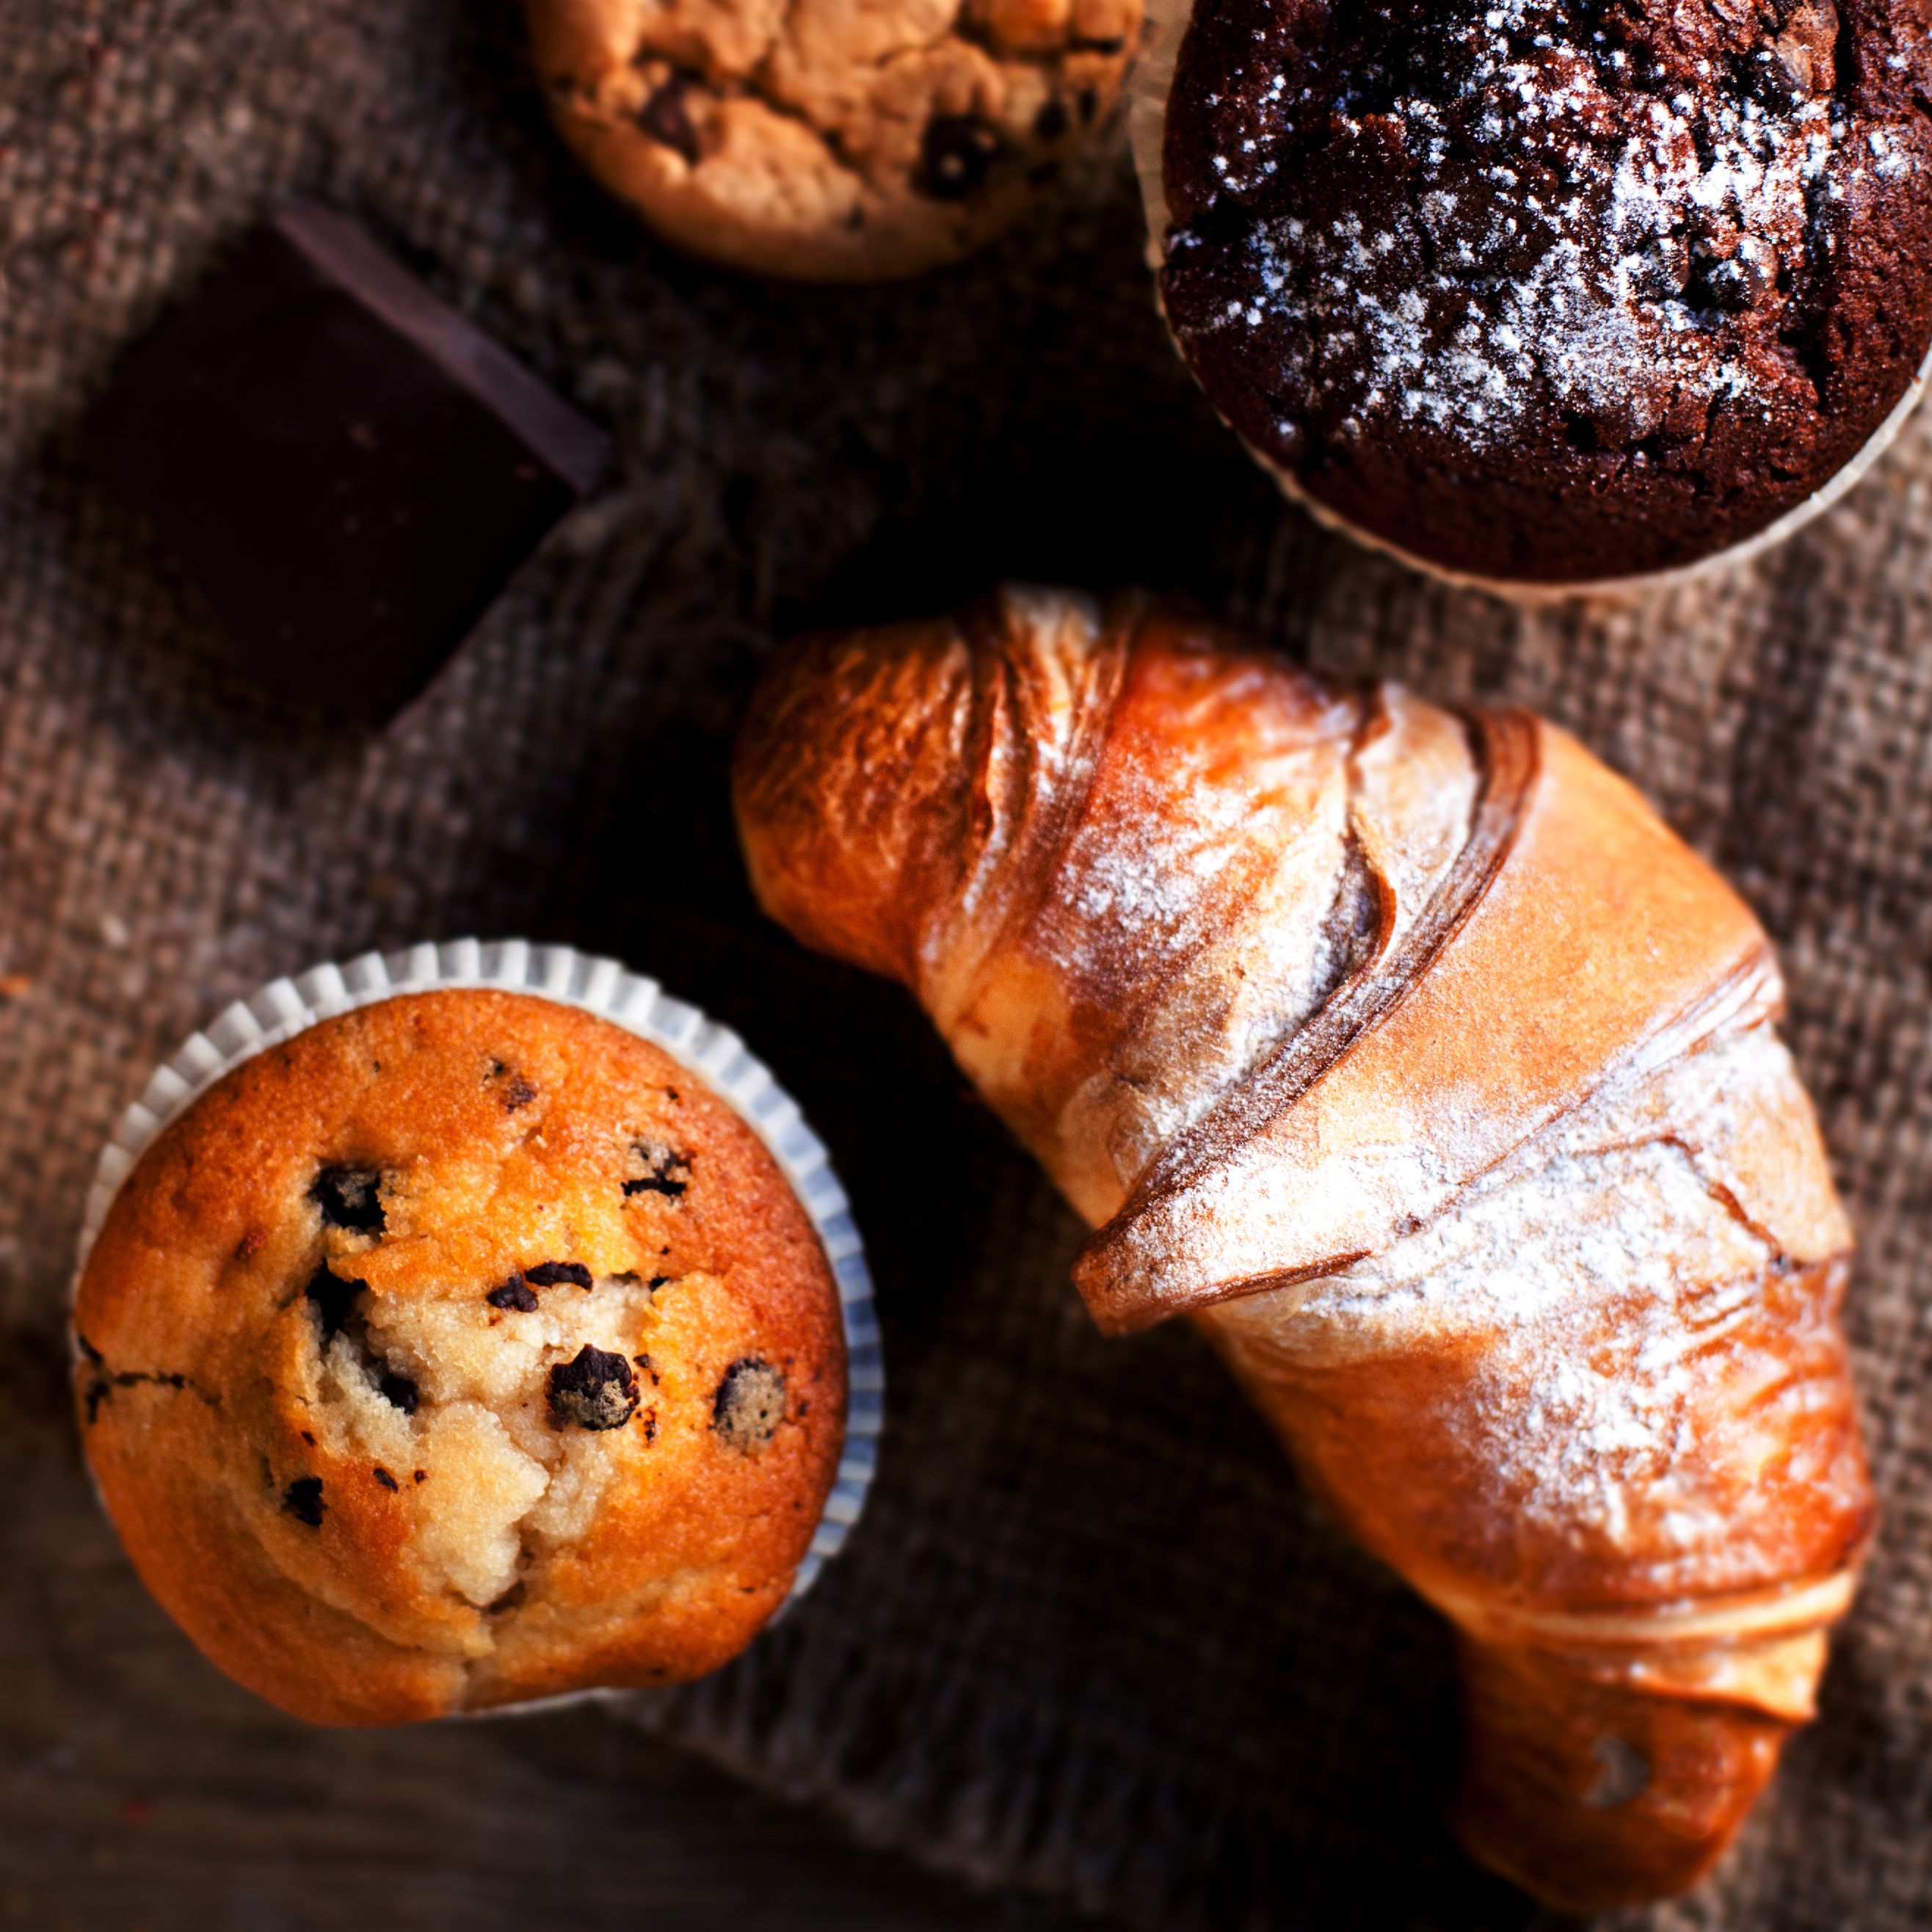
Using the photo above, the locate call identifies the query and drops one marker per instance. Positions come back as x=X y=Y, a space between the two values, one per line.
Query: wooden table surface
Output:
x=140 y=1792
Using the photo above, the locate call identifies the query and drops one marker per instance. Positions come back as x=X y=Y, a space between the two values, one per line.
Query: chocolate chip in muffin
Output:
x=558 y=1274
x=399 y=1392
x=596 y=1391
x=750 y=1403
x=1743 y=279
x=387 y=1481
x=514 y=1294
x=332 y=1298
x=103 y=1384
x=302 y=1499
x=956 y=156
x=1052 y=121
x=349 y=1197
x=666 y=1171
x=665 y=118
x=514 y=1091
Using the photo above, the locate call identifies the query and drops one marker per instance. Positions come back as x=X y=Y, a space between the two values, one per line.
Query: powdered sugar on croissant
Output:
x=1417 y=1059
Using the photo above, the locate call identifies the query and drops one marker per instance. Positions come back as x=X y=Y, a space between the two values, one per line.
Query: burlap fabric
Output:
x=1090 y=1637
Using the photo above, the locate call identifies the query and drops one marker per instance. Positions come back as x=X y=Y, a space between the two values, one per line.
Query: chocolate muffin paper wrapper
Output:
x=1148 y=88
x=714 y=1053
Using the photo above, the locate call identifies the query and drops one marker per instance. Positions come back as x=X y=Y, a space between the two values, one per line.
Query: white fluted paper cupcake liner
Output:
x=1148 y=88
x=714 y=1053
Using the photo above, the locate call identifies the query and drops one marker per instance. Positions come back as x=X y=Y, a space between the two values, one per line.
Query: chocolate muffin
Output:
x=825 y=140
x=464 y=1349
x=1560 y=290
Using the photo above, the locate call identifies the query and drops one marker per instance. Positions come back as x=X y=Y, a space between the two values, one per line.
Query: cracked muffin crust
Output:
x=464 y=1349
x=1555 y=289
x=847 y=140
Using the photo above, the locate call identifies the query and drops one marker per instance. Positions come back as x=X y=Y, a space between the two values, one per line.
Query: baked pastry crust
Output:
x=830 y=140
x=462 y=1350
x=1420 y=1064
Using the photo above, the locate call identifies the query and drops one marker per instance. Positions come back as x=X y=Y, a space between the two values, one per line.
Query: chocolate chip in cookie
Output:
x=665 y=118
x=957 y=154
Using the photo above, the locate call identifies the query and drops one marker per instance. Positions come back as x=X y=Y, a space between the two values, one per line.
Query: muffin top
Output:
x=1557 y=289
x=465 y=1348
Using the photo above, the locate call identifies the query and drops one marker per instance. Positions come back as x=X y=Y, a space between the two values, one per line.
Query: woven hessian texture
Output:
x=1090 y=1637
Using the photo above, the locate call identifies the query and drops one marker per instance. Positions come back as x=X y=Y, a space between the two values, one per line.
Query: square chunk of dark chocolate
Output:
x=350 y=470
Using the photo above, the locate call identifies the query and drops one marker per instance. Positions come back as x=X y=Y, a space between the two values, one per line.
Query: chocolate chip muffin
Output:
x=828 y=139
x=464 y=1349
x=1552 y=290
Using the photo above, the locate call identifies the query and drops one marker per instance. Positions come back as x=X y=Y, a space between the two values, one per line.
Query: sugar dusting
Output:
x=1565 y=240
x=1609 y=1304
x=1593 y=1352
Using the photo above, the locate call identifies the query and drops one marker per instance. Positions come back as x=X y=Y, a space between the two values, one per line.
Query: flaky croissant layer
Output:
x=1413 y=1056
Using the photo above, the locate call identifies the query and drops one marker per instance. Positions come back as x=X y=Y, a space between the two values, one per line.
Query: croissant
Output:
x=1411 y=1055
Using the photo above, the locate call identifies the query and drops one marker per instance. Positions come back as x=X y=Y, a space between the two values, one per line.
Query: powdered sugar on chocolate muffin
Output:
x=1548 y=290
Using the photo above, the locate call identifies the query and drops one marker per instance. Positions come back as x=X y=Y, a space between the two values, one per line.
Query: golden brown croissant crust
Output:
x=1415 y=1057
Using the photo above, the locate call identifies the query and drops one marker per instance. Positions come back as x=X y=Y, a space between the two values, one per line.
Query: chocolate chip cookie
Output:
x=830 y=139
